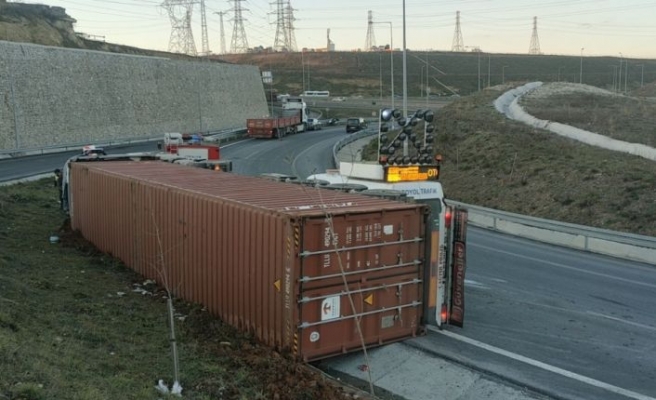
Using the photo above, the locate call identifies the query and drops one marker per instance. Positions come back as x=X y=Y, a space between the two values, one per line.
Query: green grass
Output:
x=71 y=326
x=623 y=118
x=359 y=73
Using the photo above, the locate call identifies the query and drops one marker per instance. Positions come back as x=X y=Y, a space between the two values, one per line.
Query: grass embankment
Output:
x=495 y=162
x=71 y=326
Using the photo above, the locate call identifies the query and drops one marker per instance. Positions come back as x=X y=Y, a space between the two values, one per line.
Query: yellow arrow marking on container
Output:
x=277 y=284
x=369 y=299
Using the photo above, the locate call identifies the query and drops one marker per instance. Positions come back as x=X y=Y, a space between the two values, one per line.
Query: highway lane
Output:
x=22 y=167
x=589 y=315
x=587 y=318
x=299 y=155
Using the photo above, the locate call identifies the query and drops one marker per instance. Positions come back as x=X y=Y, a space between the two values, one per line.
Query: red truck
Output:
x=294 y=120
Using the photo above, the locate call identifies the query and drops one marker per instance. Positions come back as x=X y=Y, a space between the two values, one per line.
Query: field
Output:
x=495 y=162
x=77 y=324
x=368 y=74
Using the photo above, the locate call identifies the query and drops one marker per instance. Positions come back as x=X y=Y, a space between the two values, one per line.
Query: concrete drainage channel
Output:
x=594 y=240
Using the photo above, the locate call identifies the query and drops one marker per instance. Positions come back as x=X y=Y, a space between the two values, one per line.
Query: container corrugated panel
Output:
x=297 y=266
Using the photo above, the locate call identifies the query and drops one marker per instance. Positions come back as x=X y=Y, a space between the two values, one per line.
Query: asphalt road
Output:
x=568 y=323
x=577 y=325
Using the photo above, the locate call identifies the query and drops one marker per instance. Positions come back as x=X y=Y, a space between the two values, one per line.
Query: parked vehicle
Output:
x=355 y=125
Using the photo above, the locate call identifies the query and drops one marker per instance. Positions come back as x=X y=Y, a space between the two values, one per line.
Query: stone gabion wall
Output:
x=53 y=97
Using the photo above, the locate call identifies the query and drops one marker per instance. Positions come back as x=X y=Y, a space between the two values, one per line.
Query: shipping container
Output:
x=297 y=266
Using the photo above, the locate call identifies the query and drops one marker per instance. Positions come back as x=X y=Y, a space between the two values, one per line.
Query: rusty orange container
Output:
x=299 y=267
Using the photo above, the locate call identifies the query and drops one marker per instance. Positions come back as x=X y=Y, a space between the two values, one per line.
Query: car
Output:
x=355 y=125
x=93 y=151
x=333 y=121
x=313 y=124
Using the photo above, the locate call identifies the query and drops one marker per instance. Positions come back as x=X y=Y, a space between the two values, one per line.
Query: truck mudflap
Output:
x=458 y=267
x=452 y=268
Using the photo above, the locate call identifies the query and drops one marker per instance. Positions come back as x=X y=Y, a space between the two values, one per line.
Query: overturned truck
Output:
x=313 y=271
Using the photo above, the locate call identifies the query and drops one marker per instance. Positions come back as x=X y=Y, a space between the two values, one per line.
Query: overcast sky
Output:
x=601 y=27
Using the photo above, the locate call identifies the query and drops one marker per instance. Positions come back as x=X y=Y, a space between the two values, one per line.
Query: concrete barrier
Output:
x=600 y=241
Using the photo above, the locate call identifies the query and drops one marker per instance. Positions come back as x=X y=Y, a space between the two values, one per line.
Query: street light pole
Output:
x=642 y=74
x=503 y=74
x=303 y=64
x=619 y=75
x=626 y=75
x=391 y=58
x=405 y=79
x=489 y=59
x=614 y=67
x=581 y=73
x=380 y=77
x=559 y=68
x=479 y=70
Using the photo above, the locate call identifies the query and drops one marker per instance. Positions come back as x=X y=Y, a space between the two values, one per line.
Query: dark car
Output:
x=355 y=124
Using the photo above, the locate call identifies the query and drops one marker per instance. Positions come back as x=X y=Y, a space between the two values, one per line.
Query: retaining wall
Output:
x=52 y=96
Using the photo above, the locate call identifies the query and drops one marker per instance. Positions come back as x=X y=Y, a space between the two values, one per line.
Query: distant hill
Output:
x=52 y=26
x=361 y=73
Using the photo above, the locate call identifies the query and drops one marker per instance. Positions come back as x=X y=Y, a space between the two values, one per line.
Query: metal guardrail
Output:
x=348 y=140
x=222 y=135
x=595 y=240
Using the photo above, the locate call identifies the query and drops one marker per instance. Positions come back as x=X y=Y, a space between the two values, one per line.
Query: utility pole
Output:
x=370 y=42
x=489 y=60
x=626 y=75
x=285 y=38
x=182 y=37
x=619 y=74
x=223 y=43
x=239 y=41
x=581 y=71
x=458 y=43
x=534 y=48
x=289 y=20
x=205 y=39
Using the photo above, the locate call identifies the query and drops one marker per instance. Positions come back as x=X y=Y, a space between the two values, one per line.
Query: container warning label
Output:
x=330 y=308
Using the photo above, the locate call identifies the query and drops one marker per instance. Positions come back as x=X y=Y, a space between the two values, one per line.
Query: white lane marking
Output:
x=559 y=265
x=294 y=169
x=544 y=366
x=237 y=142
x=470 y=282
x=636 y=324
